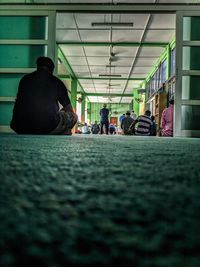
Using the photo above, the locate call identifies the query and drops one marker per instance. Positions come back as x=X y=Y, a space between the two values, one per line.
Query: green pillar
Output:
x=135 y=102
x=168 y=70
x=83 y=108
x=89 y=111
x=73 y=93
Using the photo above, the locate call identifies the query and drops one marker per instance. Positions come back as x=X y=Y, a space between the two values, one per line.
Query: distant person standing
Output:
x=166 y=127
x=126 y=122
x=104 y=112
x=143 y=124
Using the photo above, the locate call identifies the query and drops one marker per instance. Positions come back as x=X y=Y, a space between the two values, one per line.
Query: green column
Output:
x=135 y=102
x=83 y=108
x=168 y=70
x=73 y=93
x=89 y=111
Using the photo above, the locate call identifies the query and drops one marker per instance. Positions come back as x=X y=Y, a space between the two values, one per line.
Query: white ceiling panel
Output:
x=75 y=51
x=141 y=69
x=82 y=74
x=97 y=51
x=101 y=61
x=80 y=69
x=159 y=35
x=126 y=35
x=67 y=36
x=151 y=51
x=162 y=21
x=65 y=20
x=124 y=51
x=94 y=36
x=145 y=62
x=80 y=61
x=85 y=20
x=138 y=75
x=123 y=61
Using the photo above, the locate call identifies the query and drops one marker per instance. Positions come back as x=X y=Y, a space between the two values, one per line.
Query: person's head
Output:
x=132 y=111
x=95 y=122
x=148 y=113
x=128 y=113
x=45 y=63
x=104 y=105
x=171 y=101
x=153 y=118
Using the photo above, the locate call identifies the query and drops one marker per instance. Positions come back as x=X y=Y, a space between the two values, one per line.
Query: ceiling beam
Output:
x=109 y=95
x=104 y=8
x=102 y=78
x=131 y=44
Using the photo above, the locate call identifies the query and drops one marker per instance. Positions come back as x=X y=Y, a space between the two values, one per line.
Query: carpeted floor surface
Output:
x=99 y=201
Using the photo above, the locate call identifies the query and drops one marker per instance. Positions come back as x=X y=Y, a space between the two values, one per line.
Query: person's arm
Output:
x=63 y=97
x=132 y=126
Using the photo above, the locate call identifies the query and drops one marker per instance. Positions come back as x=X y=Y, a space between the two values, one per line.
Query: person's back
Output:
x=95 y=128
x=112 y=129
x=143 y=123
x=153 y=129
x=104 y=114
x=126 y=122
x=36 y=109
x=167 y=120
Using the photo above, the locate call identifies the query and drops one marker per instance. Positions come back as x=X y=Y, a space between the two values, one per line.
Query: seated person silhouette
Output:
x=36 y=110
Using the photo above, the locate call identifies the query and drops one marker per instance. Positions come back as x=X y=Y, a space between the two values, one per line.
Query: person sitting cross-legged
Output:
x=36 y=110
x=125 y=124
x=142 y=125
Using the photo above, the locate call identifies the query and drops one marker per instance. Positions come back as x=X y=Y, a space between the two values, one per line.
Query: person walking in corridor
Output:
x=36 y=110
x=104 y=112
x=166 y=127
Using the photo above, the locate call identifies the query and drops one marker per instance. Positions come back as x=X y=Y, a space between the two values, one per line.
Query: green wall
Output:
x=18 y=57
x=118 y=108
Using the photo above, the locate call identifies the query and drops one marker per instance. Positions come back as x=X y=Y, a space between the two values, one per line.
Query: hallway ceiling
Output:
x=112 y=50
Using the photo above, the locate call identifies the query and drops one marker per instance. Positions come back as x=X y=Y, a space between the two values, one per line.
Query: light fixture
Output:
x=112 y=24
x=110 y=75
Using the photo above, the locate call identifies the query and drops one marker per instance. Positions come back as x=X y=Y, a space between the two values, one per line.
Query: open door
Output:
x=187 y=93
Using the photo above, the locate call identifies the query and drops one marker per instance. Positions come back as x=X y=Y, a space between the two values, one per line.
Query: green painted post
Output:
x=168 y=69
x=135 y=102
x=89 y=111
x=83 y=108
x=73 y=93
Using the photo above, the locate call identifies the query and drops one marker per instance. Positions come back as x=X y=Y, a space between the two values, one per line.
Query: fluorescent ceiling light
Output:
x=108 y=75
x=115 y=24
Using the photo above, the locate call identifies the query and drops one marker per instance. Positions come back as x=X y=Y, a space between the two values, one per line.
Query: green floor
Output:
x=99 y=201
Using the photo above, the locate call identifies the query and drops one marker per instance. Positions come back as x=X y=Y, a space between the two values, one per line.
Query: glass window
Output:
x=173 y=62
x=190 y=56
x=190 y=87
x=21 y=56
x=163 y=72
x=6 y=111
x=22 y=27
x=191 y=29
x=9 y=83
x=190 y=117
